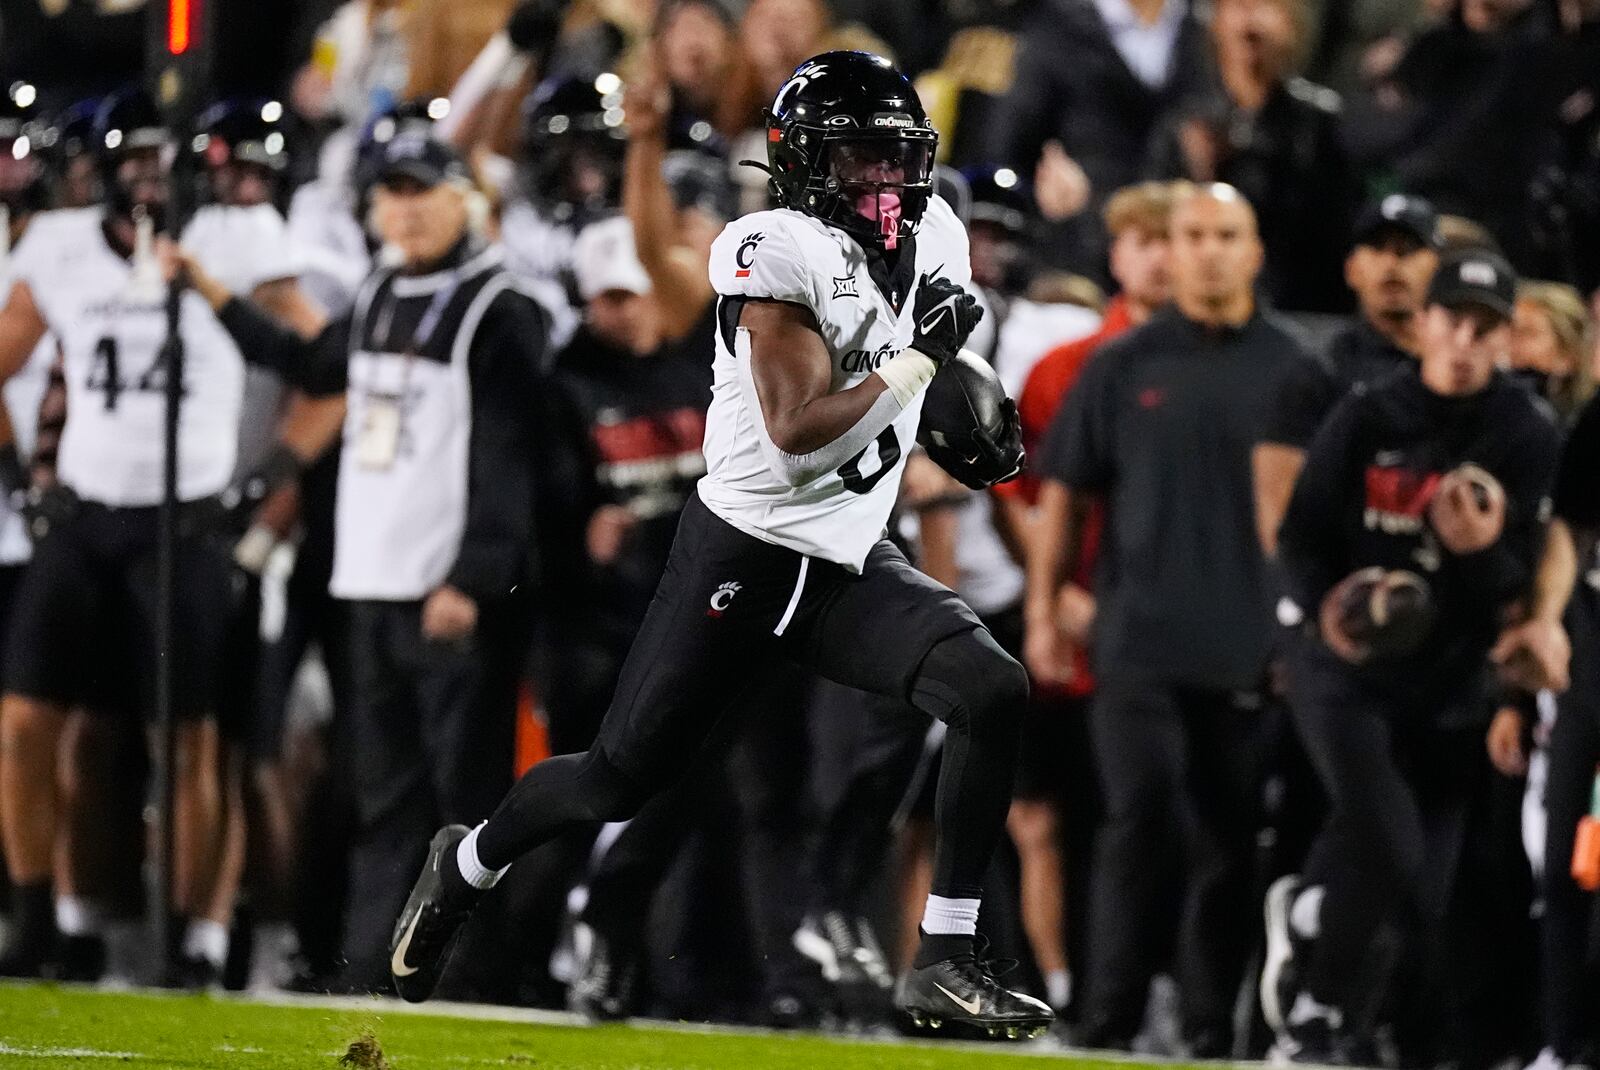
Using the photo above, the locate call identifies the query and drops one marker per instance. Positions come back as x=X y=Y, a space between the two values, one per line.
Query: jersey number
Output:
x=888 y=444
x=106 y=373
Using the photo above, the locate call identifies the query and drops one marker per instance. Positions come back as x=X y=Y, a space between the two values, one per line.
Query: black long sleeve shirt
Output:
x=1362 y=500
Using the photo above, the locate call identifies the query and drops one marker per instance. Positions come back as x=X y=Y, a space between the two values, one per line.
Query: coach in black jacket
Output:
x=1396 y=735
x=437 y=361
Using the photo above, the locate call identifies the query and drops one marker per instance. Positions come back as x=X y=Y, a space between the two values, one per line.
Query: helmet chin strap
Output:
x=883 y=208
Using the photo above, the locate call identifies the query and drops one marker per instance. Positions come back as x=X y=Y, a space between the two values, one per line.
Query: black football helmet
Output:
x=573 y=138
x=244 y=147
x=129 y=123
x=244 y=131
x=26 y=138
x=849 y=143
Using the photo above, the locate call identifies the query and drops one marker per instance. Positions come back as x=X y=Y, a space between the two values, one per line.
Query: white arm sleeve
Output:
x=798 y=469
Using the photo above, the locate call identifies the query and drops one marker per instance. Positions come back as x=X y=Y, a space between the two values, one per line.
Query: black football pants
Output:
x=727 y=606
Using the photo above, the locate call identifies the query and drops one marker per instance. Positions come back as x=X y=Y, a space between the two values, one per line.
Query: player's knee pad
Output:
x=972 y=685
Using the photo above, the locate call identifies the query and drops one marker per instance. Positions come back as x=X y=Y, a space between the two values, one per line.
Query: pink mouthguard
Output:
x=884 y=209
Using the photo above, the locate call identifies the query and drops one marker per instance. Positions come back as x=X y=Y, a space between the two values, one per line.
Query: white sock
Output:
x=473 y=871
x=1307 y=1009
x=207 y=940
x=1058 y=988
x=76 y=916
x=950 y=917
x=1305 y=913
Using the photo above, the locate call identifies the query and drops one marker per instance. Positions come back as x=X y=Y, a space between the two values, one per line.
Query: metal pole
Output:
x=167 y=638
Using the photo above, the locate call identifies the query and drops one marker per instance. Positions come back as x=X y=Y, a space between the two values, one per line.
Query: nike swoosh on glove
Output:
x=945 y=315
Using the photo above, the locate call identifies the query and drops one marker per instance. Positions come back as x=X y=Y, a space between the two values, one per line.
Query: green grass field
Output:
x=43 y=1026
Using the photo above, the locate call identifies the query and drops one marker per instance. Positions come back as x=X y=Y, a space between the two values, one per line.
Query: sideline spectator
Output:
x=1158 y=428
x=1276 y=138
x=1552 y=341
x=1389 y=270
x=1094 y=80
x=437 y=361
x=1436 y=477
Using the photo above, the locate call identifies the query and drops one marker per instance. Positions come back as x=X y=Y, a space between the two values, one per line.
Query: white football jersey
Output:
x=111 y=336
x=785 y=255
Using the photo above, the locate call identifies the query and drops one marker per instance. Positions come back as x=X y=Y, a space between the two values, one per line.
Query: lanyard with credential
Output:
x=384 y=415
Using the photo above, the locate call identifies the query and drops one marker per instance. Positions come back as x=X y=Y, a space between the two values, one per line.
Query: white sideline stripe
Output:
x=66 y=1053
x=485 y=1012
x=794 y=599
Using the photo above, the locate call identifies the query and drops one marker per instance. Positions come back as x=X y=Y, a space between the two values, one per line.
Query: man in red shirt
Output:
x=1136 y=218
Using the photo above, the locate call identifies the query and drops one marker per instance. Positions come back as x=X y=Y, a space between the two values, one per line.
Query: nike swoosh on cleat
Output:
x=397 y=961
x=970 y=1008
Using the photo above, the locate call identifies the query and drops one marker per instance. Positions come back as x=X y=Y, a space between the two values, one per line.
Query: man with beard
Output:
x=1396 y=253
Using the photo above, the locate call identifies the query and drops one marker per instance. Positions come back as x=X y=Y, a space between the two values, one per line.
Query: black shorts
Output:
x=728 y=604
x=83 y=630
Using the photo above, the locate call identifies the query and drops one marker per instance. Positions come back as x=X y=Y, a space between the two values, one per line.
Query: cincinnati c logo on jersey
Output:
x=722 y=597
x=746 y=256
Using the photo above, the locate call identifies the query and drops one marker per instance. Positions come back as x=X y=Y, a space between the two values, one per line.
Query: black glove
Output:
x=945 y=315
x=46 y=508
x=230 y=511
x=1003 y=453
x=41 y=508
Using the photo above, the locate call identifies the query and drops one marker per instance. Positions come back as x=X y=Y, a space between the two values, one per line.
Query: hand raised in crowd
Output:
x=1060 y=186
x=608 y=527
x=448 y=615
x=1468 y=510
x=1505 y=743
x=647 y=101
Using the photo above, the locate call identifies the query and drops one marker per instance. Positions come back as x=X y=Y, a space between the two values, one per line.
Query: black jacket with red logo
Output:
x=1362 y=500
x=632 y=429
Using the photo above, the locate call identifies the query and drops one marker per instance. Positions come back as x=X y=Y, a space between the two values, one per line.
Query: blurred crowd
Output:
x=1247 y=219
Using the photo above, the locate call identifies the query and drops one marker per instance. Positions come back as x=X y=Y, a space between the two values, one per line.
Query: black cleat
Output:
x=426 y=930
x=82 y=959
x=1285 y=956
x=30 y=954
x=962 y=990
x=603 y=989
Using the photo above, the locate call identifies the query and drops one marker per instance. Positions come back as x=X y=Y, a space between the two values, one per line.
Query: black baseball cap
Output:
x=1399 y=211
x=413 y=152
x=1475 y=277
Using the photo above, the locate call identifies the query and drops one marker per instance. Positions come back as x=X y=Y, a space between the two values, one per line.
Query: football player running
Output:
x=834 y=313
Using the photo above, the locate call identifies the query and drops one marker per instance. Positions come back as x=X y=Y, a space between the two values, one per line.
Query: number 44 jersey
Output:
x=864 y=311
x=111 y=330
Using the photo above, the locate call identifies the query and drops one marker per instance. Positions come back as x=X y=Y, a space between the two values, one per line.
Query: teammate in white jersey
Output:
x=835 y=312
x=84 y=627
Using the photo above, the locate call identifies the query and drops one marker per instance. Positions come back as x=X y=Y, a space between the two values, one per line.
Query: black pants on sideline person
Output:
x=1401 y=792
x=1571 y=924
x=1180 y=770
x=432 y=745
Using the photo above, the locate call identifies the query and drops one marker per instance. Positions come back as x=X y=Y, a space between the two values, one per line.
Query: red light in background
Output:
x=178 y=12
